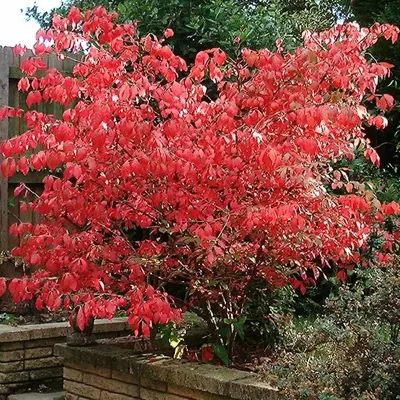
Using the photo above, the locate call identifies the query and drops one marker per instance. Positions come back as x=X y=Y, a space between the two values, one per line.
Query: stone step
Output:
x=37 y=396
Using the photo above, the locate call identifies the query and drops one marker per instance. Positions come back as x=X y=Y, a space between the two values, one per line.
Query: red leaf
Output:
x=19 y=50
x=379 y=121
x=201 y=58
x=349 y=187
x=81 y=319
x=168 y=33
x=385 y=102
x=373 y=156
x=69 y=282
x=386 y=65
x=33 y=98
x=145 y=330
x=3 y=112
x=219 y=57
x=8 y=167
x=389 y=100
x=77 y=171
x=40 y=49
x=53 y=161
x=23 y=84
x=165 y=52
x=23 y=165
x=3 y=286
x=19 y=189
x=207 y=353
x=392 y=208
x=74 y=15
x=342 y=275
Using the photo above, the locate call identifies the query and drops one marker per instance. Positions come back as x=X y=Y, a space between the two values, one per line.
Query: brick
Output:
x=14 y=377
x=252 y=388
x=13 y=334
x=194 y=394
x=146 y=394
x=43 y=342
x=4 y=389
x=38 y=396
x=15 y=355
x=45 y=373
x=11 y=346
x=46 y=331
x=116 y=325
x=43 y=362
x=104 y=372
x=114 y=396
x=73 y=374
x=70 y=396
x=122 y=376
x=81 y=389
x=152 y=384
x=12 y=366
x=39 y=352
x=111 y=385
x=13 y=387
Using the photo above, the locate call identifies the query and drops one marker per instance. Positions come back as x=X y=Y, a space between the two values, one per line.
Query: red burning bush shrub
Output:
x=226 y=192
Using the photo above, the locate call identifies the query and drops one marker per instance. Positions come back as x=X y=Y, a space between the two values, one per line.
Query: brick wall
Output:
x=117 y=371
x=27 y=358
x=84 y=382
x=25 y=364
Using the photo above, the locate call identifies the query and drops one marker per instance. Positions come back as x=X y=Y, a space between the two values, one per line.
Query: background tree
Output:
x=367 y=12
x=202 y=24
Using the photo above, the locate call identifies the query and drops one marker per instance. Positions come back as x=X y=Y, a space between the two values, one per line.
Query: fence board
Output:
x=10 y=73
x=4 y=91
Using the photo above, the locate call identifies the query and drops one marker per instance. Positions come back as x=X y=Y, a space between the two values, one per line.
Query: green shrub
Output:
x=352 y=352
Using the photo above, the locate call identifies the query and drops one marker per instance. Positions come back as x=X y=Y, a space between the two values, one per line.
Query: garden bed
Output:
x=27 y=360
x=109 y=371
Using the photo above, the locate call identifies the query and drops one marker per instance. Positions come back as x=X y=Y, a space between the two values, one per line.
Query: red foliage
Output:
x=207 y=353
x=3 y=286
x=229 y=190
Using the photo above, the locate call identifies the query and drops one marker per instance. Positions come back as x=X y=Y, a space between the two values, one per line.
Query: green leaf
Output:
x=175 y=341
x=224 y=331
x=122 y=8
x=240 y=330
x=222 y=353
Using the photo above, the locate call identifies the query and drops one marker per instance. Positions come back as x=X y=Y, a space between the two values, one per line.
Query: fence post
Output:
x=4 y=90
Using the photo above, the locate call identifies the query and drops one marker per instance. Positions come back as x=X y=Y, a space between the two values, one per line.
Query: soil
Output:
x=23 y=313
x=32 y=318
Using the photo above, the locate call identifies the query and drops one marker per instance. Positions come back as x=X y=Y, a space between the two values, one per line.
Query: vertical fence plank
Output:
x=10 y=96
x=4 y=90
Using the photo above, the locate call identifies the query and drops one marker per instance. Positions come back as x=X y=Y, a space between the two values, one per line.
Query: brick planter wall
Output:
x=27 y=359
x=114 y=372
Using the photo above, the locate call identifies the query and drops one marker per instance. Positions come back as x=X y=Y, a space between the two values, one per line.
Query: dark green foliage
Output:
x=383 y=182
x=267 y=311
x=202 y=24
x=8 y=319
x=366 y=13
x=351 y=352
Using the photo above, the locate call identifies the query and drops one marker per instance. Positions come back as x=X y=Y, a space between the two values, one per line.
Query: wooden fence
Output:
x=10 y=73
